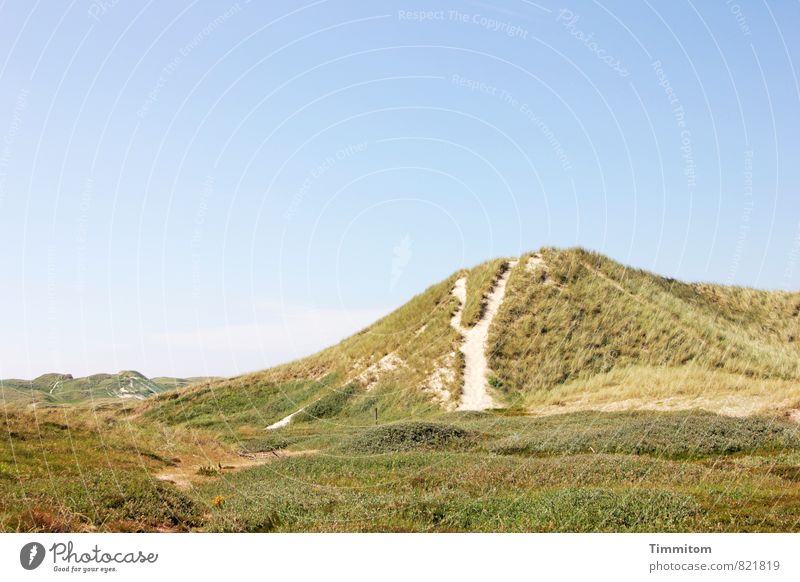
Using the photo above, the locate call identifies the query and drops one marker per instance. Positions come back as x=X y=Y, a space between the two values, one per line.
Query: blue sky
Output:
x=191 y=188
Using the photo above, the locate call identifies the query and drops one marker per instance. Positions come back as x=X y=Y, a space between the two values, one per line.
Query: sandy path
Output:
x=185 y=476
x=460 y=293
x=474 y=395
x=285 y=420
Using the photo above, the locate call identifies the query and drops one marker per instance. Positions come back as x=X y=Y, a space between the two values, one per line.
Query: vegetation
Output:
x=394 y=438
x=60 y=475
x=676 y=435
x=329 y=405
x=230 y=408
x=480 y=281
x=267 y=444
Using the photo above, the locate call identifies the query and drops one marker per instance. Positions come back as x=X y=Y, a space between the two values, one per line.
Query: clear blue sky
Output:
x=191 y=188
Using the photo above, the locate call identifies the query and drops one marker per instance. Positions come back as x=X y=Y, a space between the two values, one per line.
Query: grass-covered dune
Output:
x=627 y=402
x=575 y=331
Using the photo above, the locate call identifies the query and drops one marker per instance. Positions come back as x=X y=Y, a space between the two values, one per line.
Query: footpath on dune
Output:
x=285 y=420
x=474 y=395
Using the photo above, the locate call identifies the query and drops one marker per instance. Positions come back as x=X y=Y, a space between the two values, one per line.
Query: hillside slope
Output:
x=577 y=326
x=575 y=330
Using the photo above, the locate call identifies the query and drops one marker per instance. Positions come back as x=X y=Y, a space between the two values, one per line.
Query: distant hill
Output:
x=63 y=388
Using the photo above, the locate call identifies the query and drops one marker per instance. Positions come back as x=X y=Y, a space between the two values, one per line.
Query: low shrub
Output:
x=407 y=436
x=267 y=444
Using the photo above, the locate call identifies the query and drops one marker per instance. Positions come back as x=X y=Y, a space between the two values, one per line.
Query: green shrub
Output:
x=495 y=382
x=407 y=436
x=265 y=444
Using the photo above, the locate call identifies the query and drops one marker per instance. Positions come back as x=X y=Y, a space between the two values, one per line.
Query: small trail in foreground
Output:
x=475 y=396
x=185 y=476
x=285 y=420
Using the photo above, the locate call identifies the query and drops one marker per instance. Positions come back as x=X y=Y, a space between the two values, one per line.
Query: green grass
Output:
x=329 y=405
x=266 y=444
x=224 y=409
x=478 y=492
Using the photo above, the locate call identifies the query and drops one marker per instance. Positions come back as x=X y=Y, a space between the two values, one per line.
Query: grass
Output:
x=62 y=476
x=668 y=388
x=480 y=281
x=328 y=406
x=415 y=491
x=267 y=444
x=677 y=435
x=226 y=410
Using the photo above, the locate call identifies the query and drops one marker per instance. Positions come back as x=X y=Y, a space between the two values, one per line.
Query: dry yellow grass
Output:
x=687 y=387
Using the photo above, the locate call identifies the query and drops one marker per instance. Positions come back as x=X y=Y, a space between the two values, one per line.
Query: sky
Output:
x=211 y=188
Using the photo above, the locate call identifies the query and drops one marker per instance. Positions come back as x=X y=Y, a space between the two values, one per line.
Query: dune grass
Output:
x=668 y=388
x=480 y=281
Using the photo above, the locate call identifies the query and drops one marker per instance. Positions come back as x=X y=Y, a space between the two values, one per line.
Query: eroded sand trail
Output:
x=475 y=395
